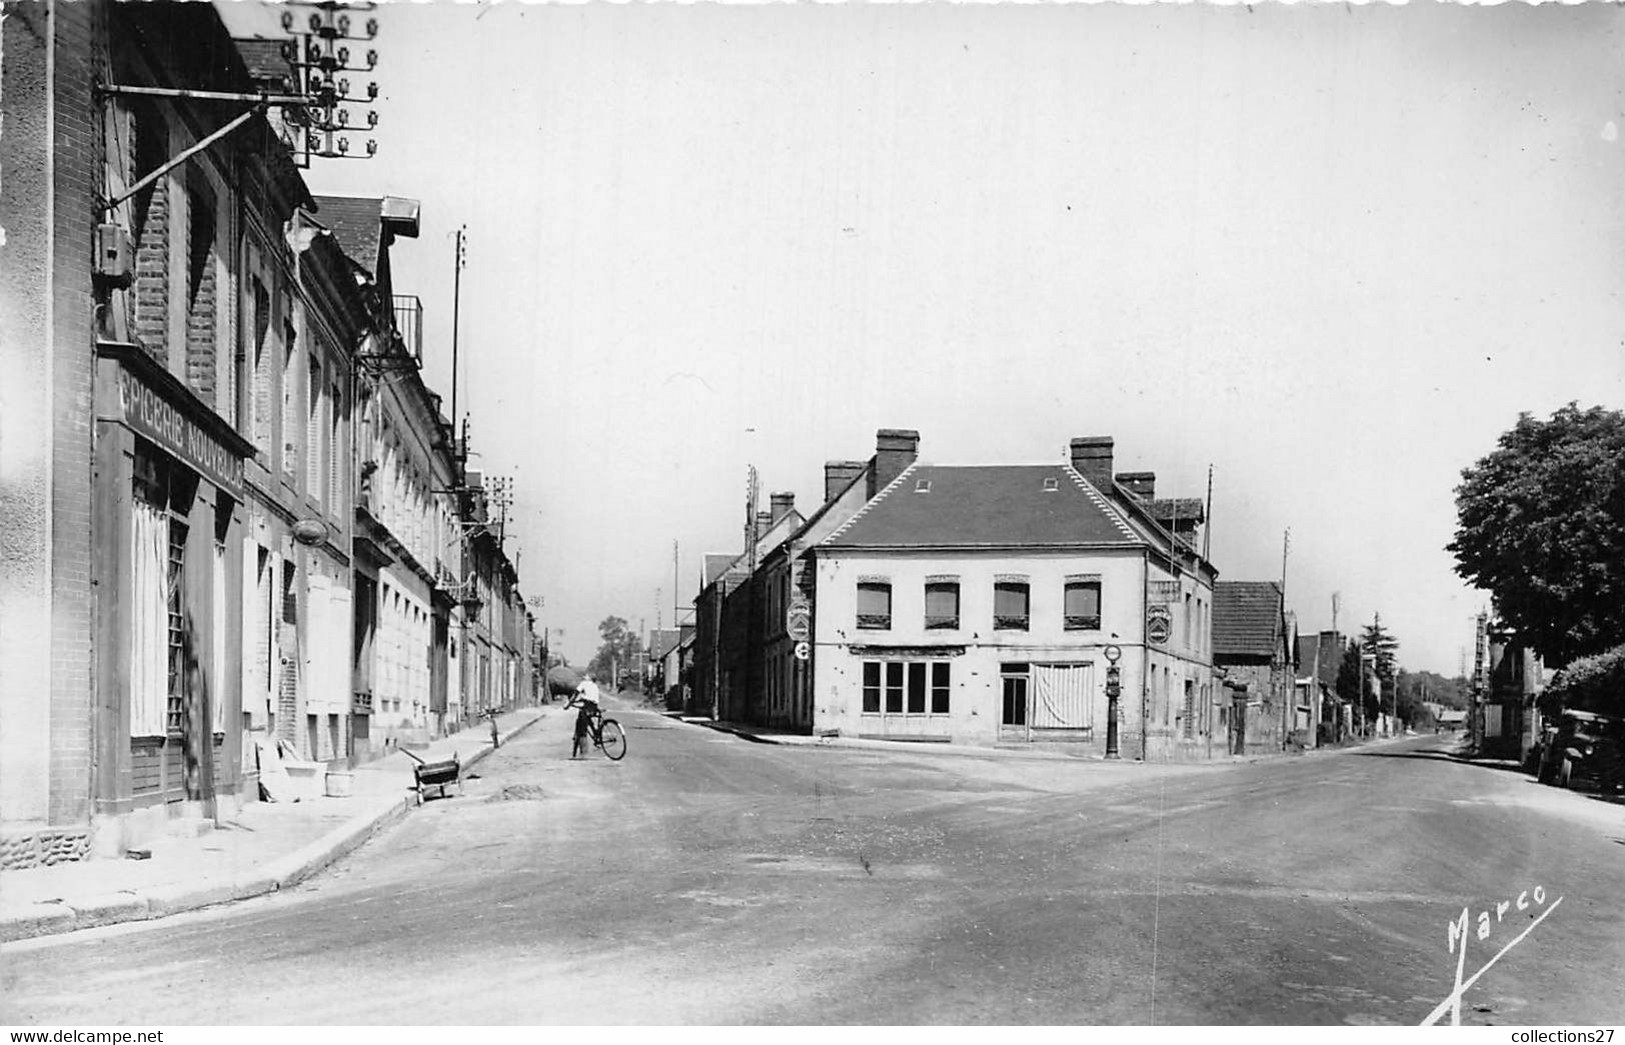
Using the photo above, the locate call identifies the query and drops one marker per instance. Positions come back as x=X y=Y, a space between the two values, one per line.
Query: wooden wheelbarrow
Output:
x=436 y=774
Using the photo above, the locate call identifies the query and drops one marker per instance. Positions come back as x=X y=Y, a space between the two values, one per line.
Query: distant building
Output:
x=976 y=604
x=1252 y=653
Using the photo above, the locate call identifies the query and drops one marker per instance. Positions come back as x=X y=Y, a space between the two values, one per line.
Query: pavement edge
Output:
x=54 y=919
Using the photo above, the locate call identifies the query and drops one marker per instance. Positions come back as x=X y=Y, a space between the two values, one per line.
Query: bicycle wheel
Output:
x=612 y=738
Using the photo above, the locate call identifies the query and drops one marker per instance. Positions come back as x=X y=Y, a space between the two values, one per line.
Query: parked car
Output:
x=1584 y=746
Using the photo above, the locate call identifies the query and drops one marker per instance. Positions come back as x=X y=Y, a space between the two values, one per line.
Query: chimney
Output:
x=895 y=450
x=838 y=475
x=764 y=521
x=1092 y=459
x=1141 y=484
x=783 y=503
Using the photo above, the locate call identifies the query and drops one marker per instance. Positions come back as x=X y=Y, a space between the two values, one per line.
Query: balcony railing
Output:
x=1010 y=622
x=941 y=621
x=409 y=324
x=874 y=621
x=1080 y=622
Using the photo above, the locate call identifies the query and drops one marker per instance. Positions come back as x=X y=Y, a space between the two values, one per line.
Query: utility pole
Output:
x=1280 y=622
x=1207 y=516
x=456 y=301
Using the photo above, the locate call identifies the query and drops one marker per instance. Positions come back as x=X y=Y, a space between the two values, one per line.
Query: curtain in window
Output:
x=149 y=620
x=1061 y=695
x=941 y=603
x=1083 y=599
x=1010 y=600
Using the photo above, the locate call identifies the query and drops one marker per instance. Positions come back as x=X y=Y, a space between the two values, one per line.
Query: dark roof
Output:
x=266 y=62
x=661 y=642
x=357 y=223
x=985 y=506
x=1185 y=509
x=1246 y=618
x=715 y=565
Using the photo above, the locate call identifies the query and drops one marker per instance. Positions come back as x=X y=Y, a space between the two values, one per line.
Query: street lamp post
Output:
x=1114 y=689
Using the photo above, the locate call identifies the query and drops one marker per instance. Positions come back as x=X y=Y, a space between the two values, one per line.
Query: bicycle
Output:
x=606 y=735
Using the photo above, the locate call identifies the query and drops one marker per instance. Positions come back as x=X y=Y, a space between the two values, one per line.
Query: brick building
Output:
x=1253 y=652
x=178 y=561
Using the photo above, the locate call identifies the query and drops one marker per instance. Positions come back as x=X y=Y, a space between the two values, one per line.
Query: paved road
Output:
x=711 y=879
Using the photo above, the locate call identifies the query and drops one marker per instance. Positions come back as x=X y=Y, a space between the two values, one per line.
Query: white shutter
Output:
x=218 y=689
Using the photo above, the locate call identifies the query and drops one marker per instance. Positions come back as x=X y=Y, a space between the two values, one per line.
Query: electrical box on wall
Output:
x=115 y=256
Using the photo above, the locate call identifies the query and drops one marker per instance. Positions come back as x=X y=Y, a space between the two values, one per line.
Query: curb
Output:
x=54 y=919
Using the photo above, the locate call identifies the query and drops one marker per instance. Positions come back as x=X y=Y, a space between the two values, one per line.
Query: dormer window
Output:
x=1051 y=485
x=922 y=486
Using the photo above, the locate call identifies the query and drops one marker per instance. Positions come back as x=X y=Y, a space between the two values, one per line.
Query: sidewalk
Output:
x=1041 y=750
x=266 y=847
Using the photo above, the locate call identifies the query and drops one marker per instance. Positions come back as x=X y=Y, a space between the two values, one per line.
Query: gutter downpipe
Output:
x=1145 y=655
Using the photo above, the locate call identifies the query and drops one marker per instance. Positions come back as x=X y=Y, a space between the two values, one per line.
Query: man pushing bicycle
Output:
x=586 y=698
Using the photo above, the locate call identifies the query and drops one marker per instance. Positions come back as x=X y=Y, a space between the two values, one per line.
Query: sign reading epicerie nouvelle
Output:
x=149 y=414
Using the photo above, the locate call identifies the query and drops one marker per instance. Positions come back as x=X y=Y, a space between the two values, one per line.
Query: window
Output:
x=1011 y=604
x=315 y=461
x=939 y=688
x=254 y=387
x=874 y=605
x=941 y=605
x=1082 y=605
x=290 y=392
x=916 y=688
x=335 y=452
x=162 y=494
x=896 y=687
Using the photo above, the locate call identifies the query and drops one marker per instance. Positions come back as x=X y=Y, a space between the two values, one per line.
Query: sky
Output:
x=1329 y=251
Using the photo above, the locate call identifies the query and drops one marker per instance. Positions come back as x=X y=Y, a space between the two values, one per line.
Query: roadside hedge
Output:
x=1595 y=683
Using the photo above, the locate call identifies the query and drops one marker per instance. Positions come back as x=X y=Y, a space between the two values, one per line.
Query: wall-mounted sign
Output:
x=798 y=623
x=1159 y=624
x=149 y=413
x=803 y=651
x=1164 y=591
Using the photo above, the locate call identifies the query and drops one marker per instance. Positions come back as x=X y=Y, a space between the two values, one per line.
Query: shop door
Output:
x=1013 y=714
x=1238 y=727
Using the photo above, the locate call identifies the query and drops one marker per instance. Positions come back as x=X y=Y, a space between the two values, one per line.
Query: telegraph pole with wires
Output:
x=1287 y=703
x=461 y=262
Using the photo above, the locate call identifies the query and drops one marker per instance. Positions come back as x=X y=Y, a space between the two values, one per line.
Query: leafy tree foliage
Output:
x=1416 y=686
x=1541 y=527
x=1349 y=688
x=619 y=650
x=1381 y=645
x=1594 y=683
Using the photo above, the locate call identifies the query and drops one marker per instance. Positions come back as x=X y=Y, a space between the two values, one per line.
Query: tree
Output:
x=1348 y=679
x=1541 y=527
x=618 y=651
x=1379 y=643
